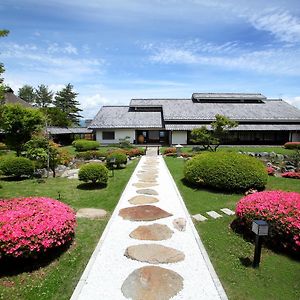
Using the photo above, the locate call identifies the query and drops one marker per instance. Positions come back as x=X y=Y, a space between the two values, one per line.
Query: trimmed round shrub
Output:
x=282 y=212
x=85 y=145
x=226 y=171
x=30 y=226
x=16 y=166
x=171 y=150
x=292 y=145
x=120 y=157
x=3 y=146
x=94 y=172
x=135 y=152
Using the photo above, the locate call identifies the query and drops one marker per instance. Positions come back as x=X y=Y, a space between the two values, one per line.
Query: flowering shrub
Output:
x=282 y=212
x=170 y=150
x=271 y=171
x=135 y=152
x=29 y=226
x=292 y=145
x=295 y=175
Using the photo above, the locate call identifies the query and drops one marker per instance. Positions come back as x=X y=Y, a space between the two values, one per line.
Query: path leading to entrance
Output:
x=150 y=248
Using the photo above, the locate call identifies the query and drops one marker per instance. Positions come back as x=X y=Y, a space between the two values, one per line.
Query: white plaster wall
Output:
x=179 y=137
x=295 y=137
x=119 y=134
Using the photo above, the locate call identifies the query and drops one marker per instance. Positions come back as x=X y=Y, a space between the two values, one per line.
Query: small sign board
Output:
x=260 y=227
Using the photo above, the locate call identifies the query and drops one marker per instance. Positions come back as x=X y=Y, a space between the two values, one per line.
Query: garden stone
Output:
x=154 y=232
x=137 y=200
x=214 y=214
x=179 y=224
x=154 y=254
x=147 y=192
x=143 y=213
x=199 y=218
x=227 y=211
x=144 y=184
x=91 y=213
x=152 y=282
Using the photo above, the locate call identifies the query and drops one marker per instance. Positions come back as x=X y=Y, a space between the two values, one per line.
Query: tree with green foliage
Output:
x=43 y=96
x=19 y=123
x=3 y=33
x=56 y=117
x=211 y=139
x=27 y=93
x=65 y=100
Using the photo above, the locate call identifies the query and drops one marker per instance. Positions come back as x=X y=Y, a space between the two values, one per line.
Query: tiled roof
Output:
x=186 y=109
x=121 y=117
x=68 y=130
x=11 y=98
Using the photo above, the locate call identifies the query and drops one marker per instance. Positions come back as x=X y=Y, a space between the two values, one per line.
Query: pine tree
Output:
x=27 y=93
x=43 y=97
x=3 y=33
x=66 y=101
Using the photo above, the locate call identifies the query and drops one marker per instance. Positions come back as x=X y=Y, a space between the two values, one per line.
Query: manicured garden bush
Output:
x=282 y=212
x=30 y=226
x=120 y=157
x=292 y=145
x=170 y=150
x=295 y=175
x=16 y=166
x=135 y=152
x=85 y=145
x=91 y=154
x=94 y=172
x=226 y=171
x=3 y=146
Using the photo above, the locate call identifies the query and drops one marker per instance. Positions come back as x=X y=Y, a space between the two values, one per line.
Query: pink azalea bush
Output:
x=271 y=171
x=29 y=226
x=282 y=212
x=295 y=175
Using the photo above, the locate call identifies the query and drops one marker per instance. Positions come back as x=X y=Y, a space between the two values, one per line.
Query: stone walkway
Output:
x=150 y=249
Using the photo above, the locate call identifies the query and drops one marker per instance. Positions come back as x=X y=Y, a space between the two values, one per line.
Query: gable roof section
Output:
x=11 y=98
x=187 y=110
x=121 y=117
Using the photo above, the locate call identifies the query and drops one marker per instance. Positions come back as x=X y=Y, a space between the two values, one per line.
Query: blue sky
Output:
x=112 y=51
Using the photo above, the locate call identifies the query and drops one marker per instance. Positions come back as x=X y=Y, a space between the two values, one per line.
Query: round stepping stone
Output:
x=91 y=213
x=144 y=184
x=137 y=200
x=152 y=282
x=143 y=213
x=154 y=232
x=179 y=224
x=154 y=254
x=147 y=192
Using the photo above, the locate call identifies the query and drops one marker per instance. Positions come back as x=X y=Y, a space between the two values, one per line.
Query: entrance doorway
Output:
x=152 y=137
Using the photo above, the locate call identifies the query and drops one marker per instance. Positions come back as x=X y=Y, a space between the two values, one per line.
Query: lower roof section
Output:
x=241 y=127
x=69 y=130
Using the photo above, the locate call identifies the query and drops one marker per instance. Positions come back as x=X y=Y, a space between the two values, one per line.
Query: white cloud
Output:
x=294 y=101
x=66 y=48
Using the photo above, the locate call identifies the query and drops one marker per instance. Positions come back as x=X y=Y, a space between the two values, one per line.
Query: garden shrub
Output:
x=135 y=152
x=282 y=212
x=30 y=226
x=94 y=172
x=120 y=157
x=294 y=175
x=271 y=171
x=85 y=145
x=3 y=146
x=292 y=145
x=170 y=150
x=91 y=154
x=226 y=171
x=16 y=166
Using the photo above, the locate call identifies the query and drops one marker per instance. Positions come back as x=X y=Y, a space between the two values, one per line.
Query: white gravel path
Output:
x=108 y=267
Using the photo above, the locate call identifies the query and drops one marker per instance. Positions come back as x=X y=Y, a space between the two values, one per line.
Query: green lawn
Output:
x=58 y=279
x=278 y=276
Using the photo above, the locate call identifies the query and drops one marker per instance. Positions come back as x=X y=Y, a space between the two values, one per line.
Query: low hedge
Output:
x=281 y=210
x=170 y=150
x=120 y=158
x=294 y=175
x=31 y=226
x=94 y=172
x=135 y=152
x=16 y=166
x=292 y=145
x=91 y=154
x=226 y=171
x=85 y=145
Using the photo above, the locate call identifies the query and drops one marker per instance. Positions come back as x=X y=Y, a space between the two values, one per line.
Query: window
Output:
x=108 y=135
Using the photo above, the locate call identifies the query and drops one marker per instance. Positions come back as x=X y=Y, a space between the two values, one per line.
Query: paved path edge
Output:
x=211 y=269
x=85 y=274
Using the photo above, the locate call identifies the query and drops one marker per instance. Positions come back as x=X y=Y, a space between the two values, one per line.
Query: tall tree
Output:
x=27 y=93
x=3 y=33
x=43 y=97
x=66 y=101
x=19 y=123
x=56 y=117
